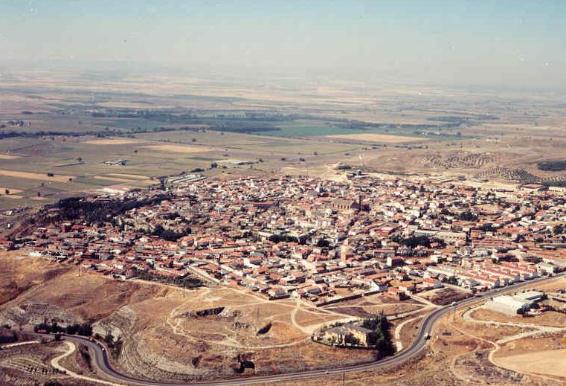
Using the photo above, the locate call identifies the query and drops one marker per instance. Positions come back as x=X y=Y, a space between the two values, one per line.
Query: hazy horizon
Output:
x=509 y=44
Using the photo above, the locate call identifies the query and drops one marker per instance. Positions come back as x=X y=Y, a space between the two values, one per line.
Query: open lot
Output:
x=550 y=362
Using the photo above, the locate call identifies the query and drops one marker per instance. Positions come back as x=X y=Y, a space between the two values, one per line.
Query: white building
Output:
x=516 y=304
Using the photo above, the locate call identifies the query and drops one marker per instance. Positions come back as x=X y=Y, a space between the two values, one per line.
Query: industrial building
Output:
x=515 y=304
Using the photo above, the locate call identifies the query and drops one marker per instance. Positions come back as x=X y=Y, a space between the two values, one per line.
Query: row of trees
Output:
x=380 y=337
x=84 y=329
x=101 y=211
x=415 y=241
x=186 y=281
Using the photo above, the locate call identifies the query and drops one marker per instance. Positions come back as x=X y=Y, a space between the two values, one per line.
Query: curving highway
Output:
x=102 y=362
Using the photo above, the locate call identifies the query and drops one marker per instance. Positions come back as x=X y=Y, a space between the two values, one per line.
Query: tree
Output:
x=108 y=338
x=52 y=383
x=351 y=339
x=166 y=234
x=468 y=216
x=414 y=241
x=85 y=329
x=72 y=329
x=380 y=337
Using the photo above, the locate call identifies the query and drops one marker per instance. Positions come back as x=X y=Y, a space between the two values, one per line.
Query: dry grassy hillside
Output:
x=158 y=326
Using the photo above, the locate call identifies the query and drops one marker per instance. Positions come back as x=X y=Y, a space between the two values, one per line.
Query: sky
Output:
x=478 y=43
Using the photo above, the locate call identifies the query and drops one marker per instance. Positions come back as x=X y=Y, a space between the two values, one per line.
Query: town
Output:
x=321 y=240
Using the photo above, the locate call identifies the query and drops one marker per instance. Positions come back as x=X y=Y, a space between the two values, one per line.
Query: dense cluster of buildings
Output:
x=321 y=240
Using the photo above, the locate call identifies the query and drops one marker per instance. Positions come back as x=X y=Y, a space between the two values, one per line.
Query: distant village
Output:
x=321 y=240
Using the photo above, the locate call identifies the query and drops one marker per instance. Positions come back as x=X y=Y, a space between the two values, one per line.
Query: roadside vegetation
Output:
x=84 y=329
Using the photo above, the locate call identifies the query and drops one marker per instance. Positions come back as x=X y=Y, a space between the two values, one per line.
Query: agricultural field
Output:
x=378 y=138
x=50 y=169
x=62 y=134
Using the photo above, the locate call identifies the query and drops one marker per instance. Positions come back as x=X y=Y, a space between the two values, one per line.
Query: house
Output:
x=277 y=293
x=394 y=261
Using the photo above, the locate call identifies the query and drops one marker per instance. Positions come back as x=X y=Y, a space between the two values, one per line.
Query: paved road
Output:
x=102 y=361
